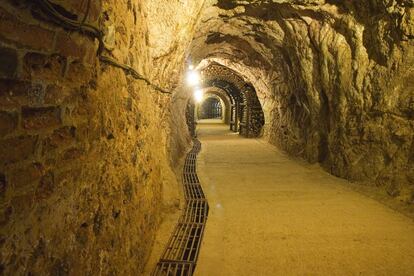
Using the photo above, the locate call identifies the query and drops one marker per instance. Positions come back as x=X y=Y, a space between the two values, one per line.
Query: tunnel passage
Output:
x=93 y=108
x=334 y=79
x=210 y=108
x=245 y=111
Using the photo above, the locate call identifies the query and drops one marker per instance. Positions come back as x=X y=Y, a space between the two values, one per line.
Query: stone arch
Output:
x=246 y=114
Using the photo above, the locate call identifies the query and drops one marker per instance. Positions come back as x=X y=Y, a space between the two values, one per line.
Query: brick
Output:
x=46 y=67
x=8 y=122
x=61 y=137
x=14 y=94
x=23 y=177
x=35 y=60
x=40 y=118
x=8 y=62
x=17 y=149
x=56 y=94
x=34 y=37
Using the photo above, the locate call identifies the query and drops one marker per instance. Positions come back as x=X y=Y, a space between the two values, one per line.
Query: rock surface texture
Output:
x=335 y=79
x=88 y=150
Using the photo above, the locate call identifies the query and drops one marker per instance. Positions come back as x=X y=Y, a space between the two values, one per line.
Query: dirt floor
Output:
x=273 y=215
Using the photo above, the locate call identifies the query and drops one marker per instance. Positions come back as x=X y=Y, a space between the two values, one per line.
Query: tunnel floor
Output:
x=274 y=215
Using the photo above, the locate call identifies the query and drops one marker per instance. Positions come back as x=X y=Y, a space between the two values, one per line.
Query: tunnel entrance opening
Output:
x=211 y=108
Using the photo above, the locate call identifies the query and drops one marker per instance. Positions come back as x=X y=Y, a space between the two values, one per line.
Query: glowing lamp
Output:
x=198 y=96
x=193 y=78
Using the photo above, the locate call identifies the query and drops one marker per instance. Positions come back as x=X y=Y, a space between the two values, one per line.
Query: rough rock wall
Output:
x=349 y=97
x=334 y=79
x=84 y=147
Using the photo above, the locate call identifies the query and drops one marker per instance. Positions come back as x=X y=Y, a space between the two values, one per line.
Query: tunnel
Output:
x=211 y=108
x=206 y=137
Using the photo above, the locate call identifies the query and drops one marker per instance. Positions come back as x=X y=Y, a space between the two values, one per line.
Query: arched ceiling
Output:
x=303 y=51
x=215 y=71
x=222 y=94
x=266 y=41
x=252 y=38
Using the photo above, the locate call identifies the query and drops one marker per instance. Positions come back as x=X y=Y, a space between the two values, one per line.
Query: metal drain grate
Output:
x=193 y=191
x=180 y=255
x=195 y=212
x=174 y=268
x=191 y=179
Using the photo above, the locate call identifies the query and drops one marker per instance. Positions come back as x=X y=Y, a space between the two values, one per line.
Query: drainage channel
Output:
x=181 y=253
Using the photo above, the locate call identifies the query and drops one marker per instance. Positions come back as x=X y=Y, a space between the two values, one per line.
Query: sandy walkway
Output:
x=271 y=215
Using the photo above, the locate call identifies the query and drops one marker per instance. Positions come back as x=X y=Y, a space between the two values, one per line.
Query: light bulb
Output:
x=193 y=78
x=198 y=96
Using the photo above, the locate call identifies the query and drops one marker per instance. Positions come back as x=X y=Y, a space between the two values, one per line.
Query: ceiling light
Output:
x=193 y=78
x=198 y=96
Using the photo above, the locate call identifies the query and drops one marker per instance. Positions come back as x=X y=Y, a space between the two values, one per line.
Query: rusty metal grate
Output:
x=196 y=211
x=181 y=253
x=174 y=268
x=193 y=191
x=191 y=178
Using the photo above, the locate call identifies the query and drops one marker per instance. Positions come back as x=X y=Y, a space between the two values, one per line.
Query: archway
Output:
x=211 y=108
x=245 y=112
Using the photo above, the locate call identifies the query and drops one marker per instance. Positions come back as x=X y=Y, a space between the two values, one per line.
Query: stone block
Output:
x=56 y=94
x=18 y=32
x=8 y=122
x=60 y=138
x=40 y=118
x=17 y=149
x=14 y=94
x=45 y=67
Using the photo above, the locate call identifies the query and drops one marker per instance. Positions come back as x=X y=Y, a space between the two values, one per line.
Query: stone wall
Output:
x=334 y=79
x=87 y=149
x=85 y=155
x=347 y=97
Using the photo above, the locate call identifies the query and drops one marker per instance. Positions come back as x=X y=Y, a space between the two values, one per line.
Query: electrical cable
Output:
x=88 y=7
x=129 y=70
x=94 y=31
x=67 y=22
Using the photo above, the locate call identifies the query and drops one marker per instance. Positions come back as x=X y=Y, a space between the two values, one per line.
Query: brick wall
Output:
x=83 y=154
